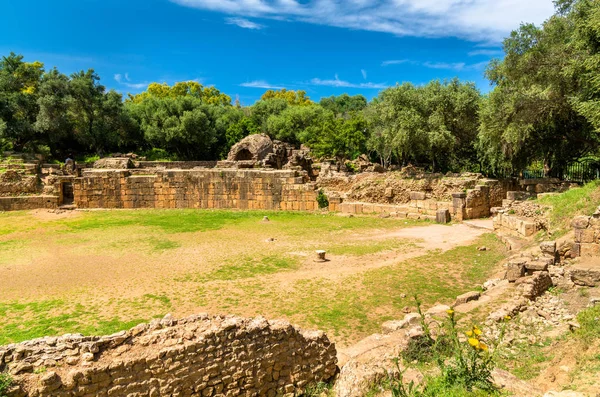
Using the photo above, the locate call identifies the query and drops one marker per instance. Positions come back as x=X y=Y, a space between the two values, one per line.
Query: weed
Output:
x=322 y=199
x=5 y=383
x=468 y=370
x=584 y=292
x=317 y=390
x=40 y=370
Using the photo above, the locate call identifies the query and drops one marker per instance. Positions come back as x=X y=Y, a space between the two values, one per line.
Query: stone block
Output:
x=548 y=247
x=515 y=270
x=580 y=222
x=589 y=250
x=442 y=216
x=583 y=275
x=536 y=266
x=417 y=195
x=467 y=297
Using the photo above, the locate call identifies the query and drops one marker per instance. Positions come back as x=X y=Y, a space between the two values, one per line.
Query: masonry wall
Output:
x=196 y=356
x=587 y=235
x=28 y=203
x=206 y=188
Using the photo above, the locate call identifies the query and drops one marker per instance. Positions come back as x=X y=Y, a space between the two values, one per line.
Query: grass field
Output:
x=101 y=271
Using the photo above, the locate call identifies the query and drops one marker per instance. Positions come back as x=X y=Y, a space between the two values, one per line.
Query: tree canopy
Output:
x=544 y=107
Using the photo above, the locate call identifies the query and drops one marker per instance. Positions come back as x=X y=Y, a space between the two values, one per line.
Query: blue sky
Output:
x=243 y=47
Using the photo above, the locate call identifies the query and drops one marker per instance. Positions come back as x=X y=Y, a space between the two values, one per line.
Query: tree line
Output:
x=544 y=107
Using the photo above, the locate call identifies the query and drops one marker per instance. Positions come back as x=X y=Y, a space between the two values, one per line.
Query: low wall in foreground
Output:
x=196 y=356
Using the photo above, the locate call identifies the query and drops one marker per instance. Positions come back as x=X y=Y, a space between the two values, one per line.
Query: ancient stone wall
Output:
x=196 y=356
x=169 y=165
x=28 y=203
x=587 y=235
x=205 y=188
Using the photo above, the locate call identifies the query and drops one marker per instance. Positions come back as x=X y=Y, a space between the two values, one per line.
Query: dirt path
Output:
x=439 y=236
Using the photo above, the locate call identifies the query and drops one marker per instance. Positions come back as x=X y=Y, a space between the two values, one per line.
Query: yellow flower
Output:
x=474 y=342
x=483 y=346
x=477 y=331
x=507 y=318
x=469 y=333
x=450 y=312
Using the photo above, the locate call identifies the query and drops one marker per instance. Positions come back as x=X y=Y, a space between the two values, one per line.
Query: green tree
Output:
x=19 y=83
x=342 y=138
x=96 y=115
x=53 y=122
x=344 y=104
x=290 y=96
x=530 y=114
x=297 y=124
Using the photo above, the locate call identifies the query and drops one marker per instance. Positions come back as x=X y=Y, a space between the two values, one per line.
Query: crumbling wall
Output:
x=587 y=235
x=204 y=188
x=195 y=356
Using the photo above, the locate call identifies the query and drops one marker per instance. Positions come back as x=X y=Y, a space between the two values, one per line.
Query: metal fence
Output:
x=581 y=171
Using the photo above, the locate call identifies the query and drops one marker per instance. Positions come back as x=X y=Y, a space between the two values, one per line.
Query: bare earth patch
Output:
x=109 y=268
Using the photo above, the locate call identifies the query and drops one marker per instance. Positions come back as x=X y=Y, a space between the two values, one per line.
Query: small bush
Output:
x=322 y=199
x=5 y=383
x=351 y=167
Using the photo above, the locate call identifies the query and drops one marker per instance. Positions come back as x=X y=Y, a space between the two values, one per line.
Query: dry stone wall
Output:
x=206 y=188
x=587 y=235
x=195 y=356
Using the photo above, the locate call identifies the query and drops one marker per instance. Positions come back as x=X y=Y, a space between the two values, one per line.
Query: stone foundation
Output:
x=196 y=356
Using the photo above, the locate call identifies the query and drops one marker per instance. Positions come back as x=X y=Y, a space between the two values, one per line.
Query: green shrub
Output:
x=156 y=154
x=351 y=167
x=322 y=199
x=5 y=383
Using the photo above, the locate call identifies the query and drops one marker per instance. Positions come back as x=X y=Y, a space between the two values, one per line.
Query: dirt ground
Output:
x=112 y=265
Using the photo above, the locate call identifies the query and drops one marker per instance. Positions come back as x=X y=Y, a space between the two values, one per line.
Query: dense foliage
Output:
x=544 y=108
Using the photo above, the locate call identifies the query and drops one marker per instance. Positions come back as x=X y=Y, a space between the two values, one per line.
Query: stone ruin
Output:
x=194 y=356
x=259 y=151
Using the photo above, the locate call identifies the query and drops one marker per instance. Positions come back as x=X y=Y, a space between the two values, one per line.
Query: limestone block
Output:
x=589 y=250
x=536 y=266
x=442 y=216
x=580 y=222
x=515 y=270
x=467 y=297
x=548 y=247
x=417 y=195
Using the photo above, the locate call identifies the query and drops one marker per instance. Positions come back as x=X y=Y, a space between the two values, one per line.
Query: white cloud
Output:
x=458 y=66
x=261 y=84
x=475 y=20
x=345 y=84
x=125 y=80
x=396 y=62
x=488 y=53
x=364 y=73
x=244 y=23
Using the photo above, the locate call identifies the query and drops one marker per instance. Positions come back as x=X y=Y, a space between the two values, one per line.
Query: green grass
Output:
x=25 y=321
x=578 y=201
x=252 y=267
x=359 y=304
x=188 y=221
x=589 y=319
x=367 y=247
